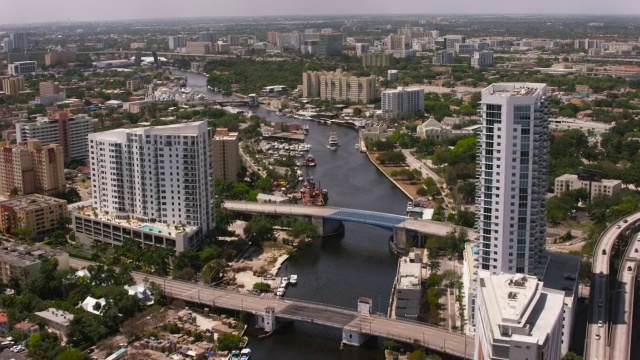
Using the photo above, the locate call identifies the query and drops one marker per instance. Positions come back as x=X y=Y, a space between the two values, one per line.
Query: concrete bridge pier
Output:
x=399 y=243
x=328 y=227
x=352 y=336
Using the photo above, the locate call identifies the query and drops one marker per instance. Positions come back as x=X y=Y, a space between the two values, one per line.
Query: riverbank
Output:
x=408 y=189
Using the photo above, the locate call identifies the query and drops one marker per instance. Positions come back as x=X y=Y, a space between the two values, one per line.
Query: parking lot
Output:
x=8 y=355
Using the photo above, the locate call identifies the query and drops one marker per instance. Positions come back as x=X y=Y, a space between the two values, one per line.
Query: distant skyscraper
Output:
x=20 y=41
x=329 y=44
x=482 y=59
x=272 y=37
x=402 y=101
x=177 y=42
x=208 y=37
x=7 y=44
x=443 y=58
x=512 y=167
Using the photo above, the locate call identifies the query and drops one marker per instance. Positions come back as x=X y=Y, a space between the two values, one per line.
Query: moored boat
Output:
x=310 y=160
x=293 y=279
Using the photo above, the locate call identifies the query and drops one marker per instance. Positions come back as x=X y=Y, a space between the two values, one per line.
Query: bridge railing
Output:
x=421 y=324
x=419 y=338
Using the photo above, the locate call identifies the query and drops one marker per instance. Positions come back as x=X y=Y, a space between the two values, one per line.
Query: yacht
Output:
x=280 y=291
x=293 y=279
x=333 y=142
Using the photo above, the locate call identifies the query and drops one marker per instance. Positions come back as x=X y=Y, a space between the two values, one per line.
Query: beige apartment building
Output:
x=568 y=182
x=49 y=88
x=12 y=85
x=29 y=168
x=340 y=86
x=225 y=148
x=198 y=47
x=38 y=213
x=24 y=262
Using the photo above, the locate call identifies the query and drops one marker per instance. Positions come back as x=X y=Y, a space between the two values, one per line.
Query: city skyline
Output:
x=78 y=11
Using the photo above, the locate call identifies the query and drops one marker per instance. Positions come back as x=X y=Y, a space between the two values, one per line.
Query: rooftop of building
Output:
x=574 y=177
x=514 y=89
x=166 y=230
x=410 y=272
x=26 y=255
x=57 y=316
x=521 y=303
x=185 y=129
x=32 y=202
x=224 y=134
x=25 y=325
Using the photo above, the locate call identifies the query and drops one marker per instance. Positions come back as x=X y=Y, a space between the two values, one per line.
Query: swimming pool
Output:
x=151 y=228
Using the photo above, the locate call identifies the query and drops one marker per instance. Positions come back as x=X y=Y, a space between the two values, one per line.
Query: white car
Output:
x=597 y=336
x=600 y=323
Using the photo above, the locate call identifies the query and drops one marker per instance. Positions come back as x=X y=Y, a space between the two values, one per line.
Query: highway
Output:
x=622 y=319
x=405 y=331
x=598 y=325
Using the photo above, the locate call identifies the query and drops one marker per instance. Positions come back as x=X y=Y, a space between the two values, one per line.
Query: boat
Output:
x=333 y=139
x=278 y=113
x=280 y=291
x=305 y=129
x=304 y=147
x=245 y=354
x=293 y=279
x=310 y=160
x=332 y=147
x=235 y=355
x=357 y=146
x=285 y=280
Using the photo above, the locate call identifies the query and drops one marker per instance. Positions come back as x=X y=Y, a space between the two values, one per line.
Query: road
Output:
x=416 y=163
x=598 y=349
x=405 y=331
x=623 y=306
x=426 y=227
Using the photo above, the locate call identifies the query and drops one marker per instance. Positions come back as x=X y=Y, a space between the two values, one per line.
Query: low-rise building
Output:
x=433 y=129
x=23 y=67
x=408 y=289
x=578 y=124
x=568 y=182
x=27 y=327
x=56 y=319
x=93 y=305
x=24 y=262
x=39 y=214
x=4 y=323
x=142 y=292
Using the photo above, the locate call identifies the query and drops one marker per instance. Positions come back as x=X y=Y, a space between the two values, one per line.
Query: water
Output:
x=334 y=271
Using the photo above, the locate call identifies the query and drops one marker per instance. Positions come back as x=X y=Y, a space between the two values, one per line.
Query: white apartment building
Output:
x=22 y=68
x=402 y=101
x=568 y=182
x=151 y=184
x=69 y=131
x=517 y=318
x=512 y=175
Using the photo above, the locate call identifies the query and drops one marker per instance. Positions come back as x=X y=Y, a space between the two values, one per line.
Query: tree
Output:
x=303 y=231
x=259 y=229
x=72 y=354
x=417 y=355
x=391 y=157
x=422 y=191
x=228 y=342
x=213 y=270
x=261 y=287
x=572 y=356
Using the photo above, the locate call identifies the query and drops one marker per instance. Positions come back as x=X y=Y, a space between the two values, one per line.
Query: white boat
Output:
x=280 y=291
x=293 y=279
x=333 y=139
x=245 y=354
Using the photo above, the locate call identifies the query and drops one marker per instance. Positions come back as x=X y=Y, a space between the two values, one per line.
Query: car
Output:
x=600 y=303
x=600 y=323
x=269 y=277
x=618 y=226
x=597 y=336
x=625 y=221
x=604 y=251
x=629 y=268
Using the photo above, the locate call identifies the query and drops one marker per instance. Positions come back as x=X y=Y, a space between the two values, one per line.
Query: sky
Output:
x=17 y=12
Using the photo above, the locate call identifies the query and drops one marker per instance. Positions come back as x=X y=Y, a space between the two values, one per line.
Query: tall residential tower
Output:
x=512 y=178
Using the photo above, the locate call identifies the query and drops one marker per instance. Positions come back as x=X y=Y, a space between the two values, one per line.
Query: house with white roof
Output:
x=94 y=306
x=141 y=291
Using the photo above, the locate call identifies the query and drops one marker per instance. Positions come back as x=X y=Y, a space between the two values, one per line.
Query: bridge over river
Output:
x=356 y=326
x=321 y=216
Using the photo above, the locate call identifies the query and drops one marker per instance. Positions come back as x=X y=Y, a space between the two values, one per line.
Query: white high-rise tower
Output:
x=513 y=150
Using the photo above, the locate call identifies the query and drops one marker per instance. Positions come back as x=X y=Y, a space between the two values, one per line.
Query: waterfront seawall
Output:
x=388 y=177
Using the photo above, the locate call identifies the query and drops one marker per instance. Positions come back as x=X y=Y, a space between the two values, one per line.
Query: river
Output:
x=334 y=271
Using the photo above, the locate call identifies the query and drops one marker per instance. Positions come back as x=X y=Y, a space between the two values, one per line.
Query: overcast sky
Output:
x=27 y=11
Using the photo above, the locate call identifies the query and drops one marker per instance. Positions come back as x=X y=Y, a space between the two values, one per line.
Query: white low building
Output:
x=93 y=305
x=577 y=124
x=142 y=292
x=408 y=289
x=568 y=182
x=433 y=129
x=517 y=318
